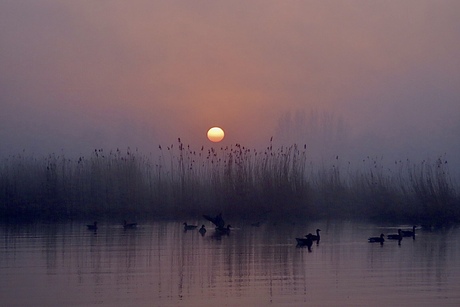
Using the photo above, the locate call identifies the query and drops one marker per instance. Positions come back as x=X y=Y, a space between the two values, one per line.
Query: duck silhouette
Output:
x=92 y=226
x=189 y=227
x=202 y=230
x=377 y=239
x=218 y=220
x=307 y=241
x=395 y=236
x=409 y=233
x=127 y=225
x=315 y=237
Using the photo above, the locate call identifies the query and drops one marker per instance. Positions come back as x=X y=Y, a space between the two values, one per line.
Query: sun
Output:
x=216 y=134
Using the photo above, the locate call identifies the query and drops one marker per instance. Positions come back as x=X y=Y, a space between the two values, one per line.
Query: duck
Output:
x=189 y=227
x=315 y=237
x=307 y=241
x=92 y=226
x=127 y=225
x=202 y=230
x=409 y=233
x=380 y=239
x=395 y=236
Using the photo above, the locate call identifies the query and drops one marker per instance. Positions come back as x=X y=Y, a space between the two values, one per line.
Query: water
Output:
x=158 y=264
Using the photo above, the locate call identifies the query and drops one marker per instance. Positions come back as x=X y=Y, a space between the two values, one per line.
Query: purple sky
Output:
x=79 y=75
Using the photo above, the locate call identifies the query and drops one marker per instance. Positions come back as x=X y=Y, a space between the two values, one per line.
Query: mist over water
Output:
x=328 y=136
x=369 y=79
x=339 y=115
x=353 y=97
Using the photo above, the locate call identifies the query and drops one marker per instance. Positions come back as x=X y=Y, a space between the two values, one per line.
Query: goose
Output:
x=127 y=225
x=202 y=230
x=315 y=237
x=189 y=227
x=377 y=239
x=93 y=226
x=308 y=242
x=409 y=233
x=395 y=236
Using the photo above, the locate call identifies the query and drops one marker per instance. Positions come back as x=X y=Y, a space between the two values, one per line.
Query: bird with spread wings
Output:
x=218 y=220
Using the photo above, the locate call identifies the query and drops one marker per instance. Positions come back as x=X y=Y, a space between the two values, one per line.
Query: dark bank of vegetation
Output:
x=240 y=182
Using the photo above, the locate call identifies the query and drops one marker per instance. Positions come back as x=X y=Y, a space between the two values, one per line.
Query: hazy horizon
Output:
x=352 y=78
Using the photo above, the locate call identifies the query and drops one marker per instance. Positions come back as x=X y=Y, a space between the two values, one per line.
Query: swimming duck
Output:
x=409 y=233
x=377 y=239
x=308 y=242
x=202 y=230
x=93 y=226
x=127 y=225
x=315 y=237
x=395 y=236
x=189 y=227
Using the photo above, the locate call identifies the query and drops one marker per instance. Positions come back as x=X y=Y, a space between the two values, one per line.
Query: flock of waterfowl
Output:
x=310 y=238
x=221 y=228
x=306 y=241
x=399 y=236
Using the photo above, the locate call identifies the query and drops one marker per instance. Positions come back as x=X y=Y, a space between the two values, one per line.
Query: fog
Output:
x=347 y=78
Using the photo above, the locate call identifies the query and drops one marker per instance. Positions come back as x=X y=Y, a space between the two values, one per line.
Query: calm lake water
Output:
x=158 y=264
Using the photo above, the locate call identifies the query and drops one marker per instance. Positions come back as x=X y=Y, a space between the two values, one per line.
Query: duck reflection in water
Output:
x=223 y=230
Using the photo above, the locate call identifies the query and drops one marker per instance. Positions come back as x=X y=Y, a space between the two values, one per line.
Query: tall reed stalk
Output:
x=239 y=181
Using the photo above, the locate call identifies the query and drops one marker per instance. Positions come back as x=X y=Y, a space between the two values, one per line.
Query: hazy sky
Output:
x=79 y=75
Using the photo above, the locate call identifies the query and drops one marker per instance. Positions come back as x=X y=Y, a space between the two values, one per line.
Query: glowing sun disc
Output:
x=216 y=134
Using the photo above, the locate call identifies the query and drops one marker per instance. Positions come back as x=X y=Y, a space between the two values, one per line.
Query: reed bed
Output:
x=179 y=181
